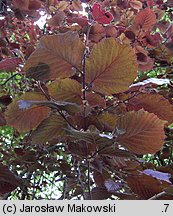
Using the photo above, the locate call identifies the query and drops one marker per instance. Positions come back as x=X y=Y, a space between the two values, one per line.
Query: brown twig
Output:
x=120 y=102
x=84 y=72
x=80 y=180
x=155 y=197
x=64 y=189
x=89 y=182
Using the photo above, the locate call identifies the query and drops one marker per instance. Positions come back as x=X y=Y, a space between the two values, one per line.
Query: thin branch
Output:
x=34 y=188
x=120 y=102
x=96 y=152
x=80 y=181
x=58 y=110
x=53 y=148
x=84 y=103
x=24 y=187
x=155 y=197
x=64 y=189
x=84 y=72
x=89 y=182
x=43 y=91
x=9 y=79
x=64 y=117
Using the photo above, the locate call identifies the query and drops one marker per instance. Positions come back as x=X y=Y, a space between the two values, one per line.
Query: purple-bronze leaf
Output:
x=113 y=186
x=25 y=104
x=158 y=175
x=151 y=81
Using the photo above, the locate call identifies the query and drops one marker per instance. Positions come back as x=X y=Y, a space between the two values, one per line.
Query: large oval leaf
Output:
x=21 y=4
x=49 y=129
x=108 y=121
x=144 y=132
x=145 y=19
x=66 y=90
x=9 y=64
x=111 y=67
x=158 y=175
x=153 y=103
x=8 y=180
x=100 y=193
x=95 y=100
x=26 y=119
x=55 y=57
x=145 y=186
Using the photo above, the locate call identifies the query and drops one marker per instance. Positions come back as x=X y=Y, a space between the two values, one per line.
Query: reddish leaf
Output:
x=49 y=129
x=100 y=193
x=108 y=121
x=8 y=181
x=115 y=11
x=123 y=4
x=153 y=40
x=116 y=162
x=97 y=32
x=144 y=61
x=112 y=186
x=66 y=90
x=91 y=137
x=132 y=166
x=77 y=5
x=9 y=64
x=81 y=122
x=111 y=67
x=55 y=57
x=146 y=66
x=95 y=100
x=3 y=42
x=144 y=132
x=130 y=35
x=141 y=57
x=21 y=4
x=145 y=19
x=136 y=4
x=5 y=100
x=101 y=15
x=126 y=196
x=19 y=151
x=57 y=19
x=61 y=105
x=100 y=177
x=27 y=119
x=82 y=148
x=82 y=21
x=158 y=175
x=150 y=3
x=115 y=152
x=34 y=4
x=2 y=120
x=110 y=31
x=97 y=164
x=85 y=1
x=153 y=103
x=64 y=166
x=169 y=190
x=62 y=5
x=145 y=186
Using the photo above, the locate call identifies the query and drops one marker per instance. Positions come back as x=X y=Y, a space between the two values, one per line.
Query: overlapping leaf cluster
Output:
x=97 y=104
